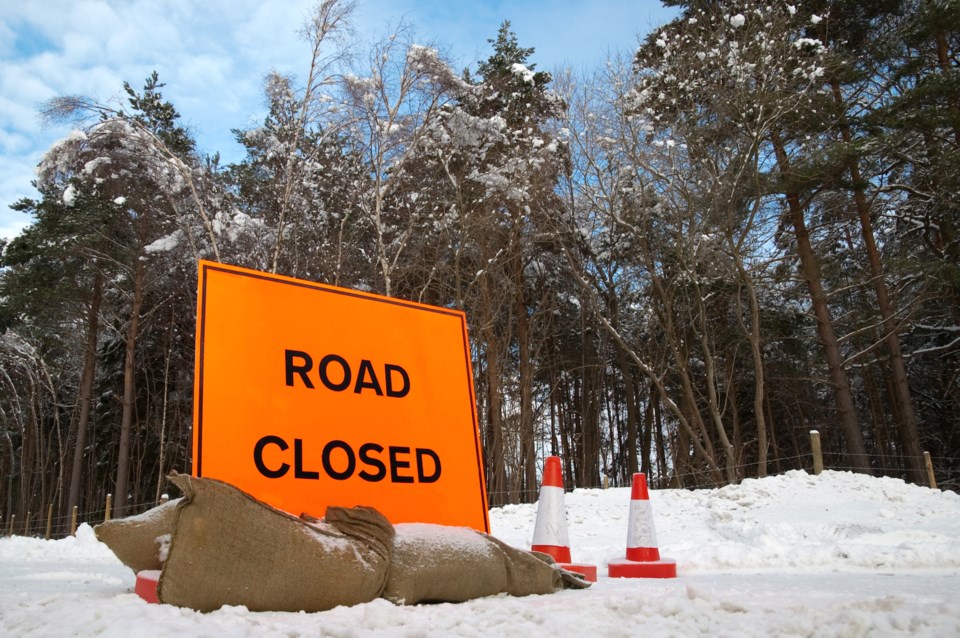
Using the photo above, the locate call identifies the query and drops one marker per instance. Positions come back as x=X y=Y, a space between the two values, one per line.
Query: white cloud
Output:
x=12 y=223
x=7 y=37
x=12 y=143
x=15 y=177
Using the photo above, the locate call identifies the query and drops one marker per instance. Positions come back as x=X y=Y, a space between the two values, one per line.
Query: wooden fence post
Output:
x=164 y=498
x=73 y=521
x=26 y=524
x=13 y=519
x=817 y=452
x=929 y=463
x=106 y=516
x=49 y=521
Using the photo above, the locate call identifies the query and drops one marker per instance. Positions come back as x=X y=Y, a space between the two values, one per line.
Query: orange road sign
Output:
x=308 y=395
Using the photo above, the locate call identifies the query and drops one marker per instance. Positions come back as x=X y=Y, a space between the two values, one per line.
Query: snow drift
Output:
x=838 y=554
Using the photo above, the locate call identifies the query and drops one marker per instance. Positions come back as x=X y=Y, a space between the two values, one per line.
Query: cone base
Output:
x=146 y=587
x=623 y=568
x=587 y=571
x=559 y=553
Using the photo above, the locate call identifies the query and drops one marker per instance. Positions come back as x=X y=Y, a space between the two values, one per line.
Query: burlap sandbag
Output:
x=230 y=549
x=140 y=541
x=435 y=563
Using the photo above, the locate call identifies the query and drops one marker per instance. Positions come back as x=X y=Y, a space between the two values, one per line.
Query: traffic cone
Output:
x=643 y=557
x=550 y=531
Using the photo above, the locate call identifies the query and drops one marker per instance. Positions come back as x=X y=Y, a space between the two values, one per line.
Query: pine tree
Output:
x=128 y=169
x=743 y=82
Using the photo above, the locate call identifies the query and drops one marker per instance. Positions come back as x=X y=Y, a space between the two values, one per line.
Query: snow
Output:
x=520 y=70
x=808 y=42
x=165 y=243
x=421 y=57
x=460 y=539
x=69 y=195
x=838 y=554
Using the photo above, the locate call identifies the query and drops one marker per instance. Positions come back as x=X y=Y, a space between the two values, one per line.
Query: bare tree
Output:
x=386 y=111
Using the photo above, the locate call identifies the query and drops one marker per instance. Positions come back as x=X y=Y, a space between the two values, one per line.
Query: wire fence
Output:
x=45 y=524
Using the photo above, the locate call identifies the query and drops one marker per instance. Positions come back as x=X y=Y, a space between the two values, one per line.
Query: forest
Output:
x=680 y=264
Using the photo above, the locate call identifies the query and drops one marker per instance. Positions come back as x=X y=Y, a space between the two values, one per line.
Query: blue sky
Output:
x=213 y=55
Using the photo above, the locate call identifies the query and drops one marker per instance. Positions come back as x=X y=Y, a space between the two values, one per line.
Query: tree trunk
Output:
x=496 y=472
x=753 y=337
x=810 y=269
x=661 y=440
x=129 y=395
x=908 y=435
x=633 y=415
x=87 y=378
x=631 y=395
x=590 y=412
x=168 y=354
x=28 y=449
x=527 y=435
x=648 y=427
x=713 y=401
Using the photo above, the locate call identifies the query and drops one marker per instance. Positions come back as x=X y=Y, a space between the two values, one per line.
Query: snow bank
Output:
x=795 y=520
x=834 y=555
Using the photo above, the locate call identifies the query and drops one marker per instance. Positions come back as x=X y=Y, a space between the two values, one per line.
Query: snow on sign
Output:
x=309 y=395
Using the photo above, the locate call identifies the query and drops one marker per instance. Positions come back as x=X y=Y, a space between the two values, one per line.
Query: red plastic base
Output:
x=587 y=571
x=559 y=553
x=146 y=587
x=663 y=568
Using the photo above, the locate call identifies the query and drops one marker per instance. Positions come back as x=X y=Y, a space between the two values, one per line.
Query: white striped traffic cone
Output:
x=643 y=556
x=550 y=530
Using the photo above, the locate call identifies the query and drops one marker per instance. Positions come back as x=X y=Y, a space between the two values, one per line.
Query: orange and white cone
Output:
x=550 y=530
x=643 y=556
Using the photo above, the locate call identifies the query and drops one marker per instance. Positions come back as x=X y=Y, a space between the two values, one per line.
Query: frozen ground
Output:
x=793 y=555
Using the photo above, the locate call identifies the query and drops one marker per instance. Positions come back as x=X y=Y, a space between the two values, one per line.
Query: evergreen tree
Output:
x=110 y=193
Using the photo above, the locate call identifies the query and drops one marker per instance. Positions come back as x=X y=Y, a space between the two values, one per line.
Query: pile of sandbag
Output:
x=219 y=546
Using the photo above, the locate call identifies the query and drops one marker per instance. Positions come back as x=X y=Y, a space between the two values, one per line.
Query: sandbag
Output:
x=140 y=541
x=231 y=549
x=436 y=563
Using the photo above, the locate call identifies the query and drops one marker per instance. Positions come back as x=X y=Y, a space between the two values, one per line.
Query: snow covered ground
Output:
x=793 y=555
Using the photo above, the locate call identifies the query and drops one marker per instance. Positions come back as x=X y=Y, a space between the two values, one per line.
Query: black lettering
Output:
x=258 y=456
x=345 y=382
x=367 y=459
x=298 y=471
x=302 y=369
x=366 y=369
x=328 y=466
x=396 y=464
x=389 y=369
x=422 y=452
